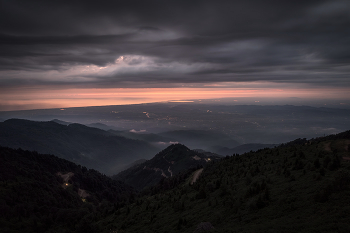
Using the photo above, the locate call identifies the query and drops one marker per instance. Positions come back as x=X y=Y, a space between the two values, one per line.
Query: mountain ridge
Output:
x=91 y=147
x=174 y=159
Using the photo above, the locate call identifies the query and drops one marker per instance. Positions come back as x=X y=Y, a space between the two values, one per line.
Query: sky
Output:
x=90 y=53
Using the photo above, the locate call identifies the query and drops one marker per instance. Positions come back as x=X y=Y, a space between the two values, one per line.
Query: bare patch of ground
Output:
x=346 y=148
x=171 y=173
x=82 y=193
x=196 y=175
x=156 y=169
x=347 y=145
x=327 y=147
x=66 y=177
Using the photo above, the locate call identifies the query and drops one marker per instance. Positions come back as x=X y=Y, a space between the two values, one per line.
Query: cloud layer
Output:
x=173 y=43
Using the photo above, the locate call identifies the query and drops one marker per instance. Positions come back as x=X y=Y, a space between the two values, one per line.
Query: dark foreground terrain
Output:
x=301 y=186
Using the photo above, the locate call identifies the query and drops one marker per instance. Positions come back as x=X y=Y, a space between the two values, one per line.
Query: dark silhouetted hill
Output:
x=102 y=126
x=62 y=122
x=44 y=193
x=91 y=147
x=167 y=163
x=300 y=186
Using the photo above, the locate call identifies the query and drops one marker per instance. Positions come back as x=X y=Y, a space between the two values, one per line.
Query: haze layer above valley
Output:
x=195 y=123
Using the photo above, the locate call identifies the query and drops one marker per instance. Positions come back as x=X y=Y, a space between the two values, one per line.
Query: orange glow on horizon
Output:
x=65 y=98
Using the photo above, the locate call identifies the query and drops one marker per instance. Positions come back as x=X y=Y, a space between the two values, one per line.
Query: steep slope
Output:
x=91 y=147
x=301 y=186
x=43 y=193
x=167 y=163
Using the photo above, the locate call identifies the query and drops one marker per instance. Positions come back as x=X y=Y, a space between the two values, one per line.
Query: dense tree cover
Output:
x=167 y=163
x=33 y=198
x=301 y=186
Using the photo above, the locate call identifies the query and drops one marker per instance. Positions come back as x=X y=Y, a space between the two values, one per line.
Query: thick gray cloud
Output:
x=136 y=43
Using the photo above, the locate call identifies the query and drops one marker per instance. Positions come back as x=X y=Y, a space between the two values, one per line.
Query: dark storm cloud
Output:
x=176 y=41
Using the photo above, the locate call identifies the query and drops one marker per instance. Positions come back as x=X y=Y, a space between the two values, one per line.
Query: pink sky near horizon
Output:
x=32 y=98
x=119 y=52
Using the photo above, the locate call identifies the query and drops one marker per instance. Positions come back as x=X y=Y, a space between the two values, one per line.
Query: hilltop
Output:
x=167 y=163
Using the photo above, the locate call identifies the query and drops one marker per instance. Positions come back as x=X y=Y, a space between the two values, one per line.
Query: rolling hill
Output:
x=167 y=163
x=90 y=147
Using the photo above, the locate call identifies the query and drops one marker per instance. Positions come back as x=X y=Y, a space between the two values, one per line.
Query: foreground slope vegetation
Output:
x=301 y=186
x=43 y=193
x=167 y=163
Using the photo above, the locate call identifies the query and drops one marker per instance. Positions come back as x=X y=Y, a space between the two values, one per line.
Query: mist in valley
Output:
x=207 y=125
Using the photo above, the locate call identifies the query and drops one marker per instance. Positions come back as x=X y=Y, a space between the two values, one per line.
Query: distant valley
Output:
x=243 y=124
x=107 y=151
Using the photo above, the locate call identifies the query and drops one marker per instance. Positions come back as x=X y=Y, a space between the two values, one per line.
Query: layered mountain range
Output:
x=88 y=146
x=300 y=186
x=105 y=149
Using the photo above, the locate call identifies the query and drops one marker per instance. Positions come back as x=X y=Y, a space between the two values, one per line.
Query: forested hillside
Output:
x=91 y=147
x=301 y=186
x=167 y=163
x=43 y=193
